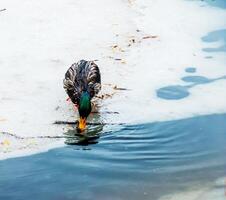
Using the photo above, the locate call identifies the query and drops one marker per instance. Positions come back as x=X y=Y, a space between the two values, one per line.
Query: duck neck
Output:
x=84 y=104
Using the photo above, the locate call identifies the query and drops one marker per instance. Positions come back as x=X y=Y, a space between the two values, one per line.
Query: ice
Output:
x=140 y=45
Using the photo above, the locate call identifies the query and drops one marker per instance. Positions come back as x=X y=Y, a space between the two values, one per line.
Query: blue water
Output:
x=173 y=92
x=215 y=3
x=190 y=70
x=215 y=36
x=177 y=92
x=135 y=162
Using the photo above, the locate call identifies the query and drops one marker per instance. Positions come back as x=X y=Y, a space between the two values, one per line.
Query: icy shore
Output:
x=139 y=45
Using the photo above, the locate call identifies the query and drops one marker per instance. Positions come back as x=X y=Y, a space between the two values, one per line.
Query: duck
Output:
x=82 y=82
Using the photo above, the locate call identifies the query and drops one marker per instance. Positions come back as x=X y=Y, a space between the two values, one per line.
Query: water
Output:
x=215 y=36
x=190 y=70
x=215 y=3
x=135 y=162
x=177 y=92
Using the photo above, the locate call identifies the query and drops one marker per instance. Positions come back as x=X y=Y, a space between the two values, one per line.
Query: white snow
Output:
x=41 y=39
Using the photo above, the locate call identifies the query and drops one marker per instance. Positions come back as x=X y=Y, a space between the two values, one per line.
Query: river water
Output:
x=134 y=162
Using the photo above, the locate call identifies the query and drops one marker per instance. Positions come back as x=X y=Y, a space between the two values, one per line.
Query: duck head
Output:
x=84 y=109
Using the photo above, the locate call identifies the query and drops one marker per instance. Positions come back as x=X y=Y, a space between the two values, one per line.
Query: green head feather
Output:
x=84 y=105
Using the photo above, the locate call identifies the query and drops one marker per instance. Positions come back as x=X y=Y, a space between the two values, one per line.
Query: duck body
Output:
x=82 y=82
x=83 y=76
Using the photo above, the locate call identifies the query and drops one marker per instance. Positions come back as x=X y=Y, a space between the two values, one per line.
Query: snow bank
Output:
x=140 y=45
x=162 y=61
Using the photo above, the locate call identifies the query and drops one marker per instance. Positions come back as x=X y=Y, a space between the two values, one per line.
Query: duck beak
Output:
x=82 y=123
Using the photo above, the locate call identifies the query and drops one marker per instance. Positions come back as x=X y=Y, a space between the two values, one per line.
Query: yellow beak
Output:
x=82 y=123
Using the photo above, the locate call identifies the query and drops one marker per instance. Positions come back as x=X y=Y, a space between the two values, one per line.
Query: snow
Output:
x=41 y=39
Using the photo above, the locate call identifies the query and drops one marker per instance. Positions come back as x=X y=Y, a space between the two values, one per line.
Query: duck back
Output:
x=82 y=76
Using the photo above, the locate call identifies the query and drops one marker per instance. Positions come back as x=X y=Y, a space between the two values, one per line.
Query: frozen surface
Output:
x=140 y=45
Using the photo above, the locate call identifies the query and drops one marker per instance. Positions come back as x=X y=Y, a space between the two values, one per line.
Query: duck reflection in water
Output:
x=89 y=136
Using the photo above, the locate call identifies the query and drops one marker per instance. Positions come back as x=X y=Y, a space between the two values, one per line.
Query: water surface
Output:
x=135 y=162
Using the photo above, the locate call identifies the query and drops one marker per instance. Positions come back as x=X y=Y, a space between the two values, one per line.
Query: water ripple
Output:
x=158 y=155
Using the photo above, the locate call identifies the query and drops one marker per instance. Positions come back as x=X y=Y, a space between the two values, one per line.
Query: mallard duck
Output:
x=82 y=82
